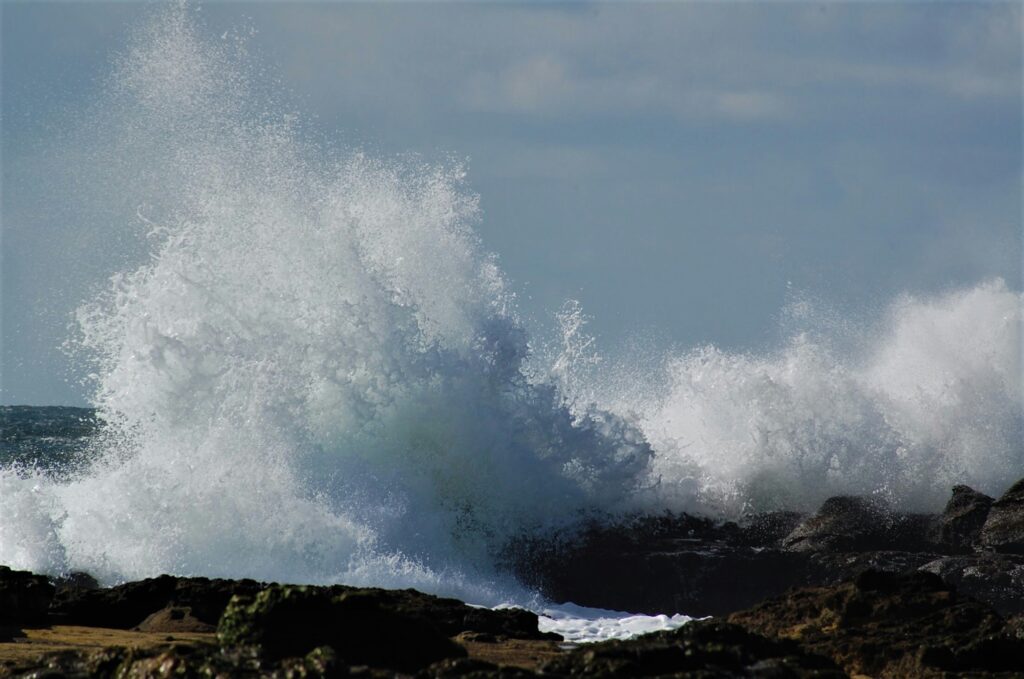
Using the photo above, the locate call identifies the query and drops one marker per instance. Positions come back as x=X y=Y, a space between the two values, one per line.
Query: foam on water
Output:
x=318 y=375
x=579 y=624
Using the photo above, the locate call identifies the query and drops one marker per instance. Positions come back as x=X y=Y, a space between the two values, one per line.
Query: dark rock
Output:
x=769 y=528
x=662 y=564
x=1004 y=528
x=881 y=624
x=830 y=568
x=127 y=605
x=993 y=579
x=24 y=597
x=451 y=616
x=75 y=581
x=698 y=649
x=856 y=524
x=286 y=621
x=959 y=525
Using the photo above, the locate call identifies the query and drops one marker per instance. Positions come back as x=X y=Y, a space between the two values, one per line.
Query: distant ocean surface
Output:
x=53 y=439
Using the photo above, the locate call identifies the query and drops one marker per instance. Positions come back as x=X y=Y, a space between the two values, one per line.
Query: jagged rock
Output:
x=993 y=579
x=286 y=621
x=126 y=606
x=959 y=525
x=698 y=649
x=886 y=625
x=24 y=597
x=1004 y=528
x=855 y=524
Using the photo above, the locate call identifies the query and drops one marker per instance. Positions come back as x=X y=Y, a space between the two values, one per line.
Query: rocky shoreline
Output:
x=854 y=590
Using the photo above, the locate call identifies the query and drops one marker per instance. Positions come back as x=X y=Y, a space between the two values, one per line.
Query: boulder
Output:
x=1004 y=528
x=889 y=625
x=848 y=523
x=959 y=525
x=24 y=597
x=290 y=621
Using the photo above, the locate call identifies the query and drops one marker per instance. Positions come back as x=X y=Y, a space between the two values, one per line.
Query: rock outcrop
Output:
x=291 y=621
x=698 y=649
x=856 y=524
x=676 y=563
x=959 y=525
x=888 y=625
x=995 y=579
x=128 y=605
x=663 y=565
x=1004 y=527
x=24 y=597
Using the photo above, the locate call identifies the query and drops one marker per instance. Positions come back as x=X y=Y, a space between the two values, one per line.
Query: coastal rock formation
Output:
x=663 y=564
x=128 y=605
x=856 y=524
x=698 y=649
x=1004 y=528
x=995 y=579
x=959 y=525
x=24 y=597
x=291 y=621
x=888 y=625
x=673 y=563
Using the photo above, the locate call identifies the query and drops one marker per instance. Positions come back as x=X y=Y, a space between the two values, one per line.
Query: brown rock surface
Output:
x=1004 y=528
x=886 y=625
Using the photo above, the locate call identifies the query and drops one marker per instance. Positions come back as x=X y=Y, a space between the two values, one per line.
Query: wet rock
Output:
x=662 y=564
x=451 y=616
x=996 y=580
x=127 y=605
x=75 y=581
x=830 y=568
x=1004 y=528
x=698 y=649
x=24 y=597
x=855 y=524
x=959 y=526
x=285 y=621
x=886 y=625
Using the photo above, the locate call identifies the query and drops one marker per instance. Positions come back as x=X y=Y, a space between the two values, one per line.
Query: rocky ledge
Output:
x=853 y=590
x=684 y=563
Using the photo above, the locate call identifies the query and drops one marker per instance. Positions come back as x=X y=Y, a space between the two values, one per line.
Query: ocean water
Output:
x=318 y=375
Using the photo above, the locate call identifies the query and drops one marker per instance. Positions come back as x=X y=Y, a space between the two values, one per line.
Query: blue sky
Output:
x=682 y=169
